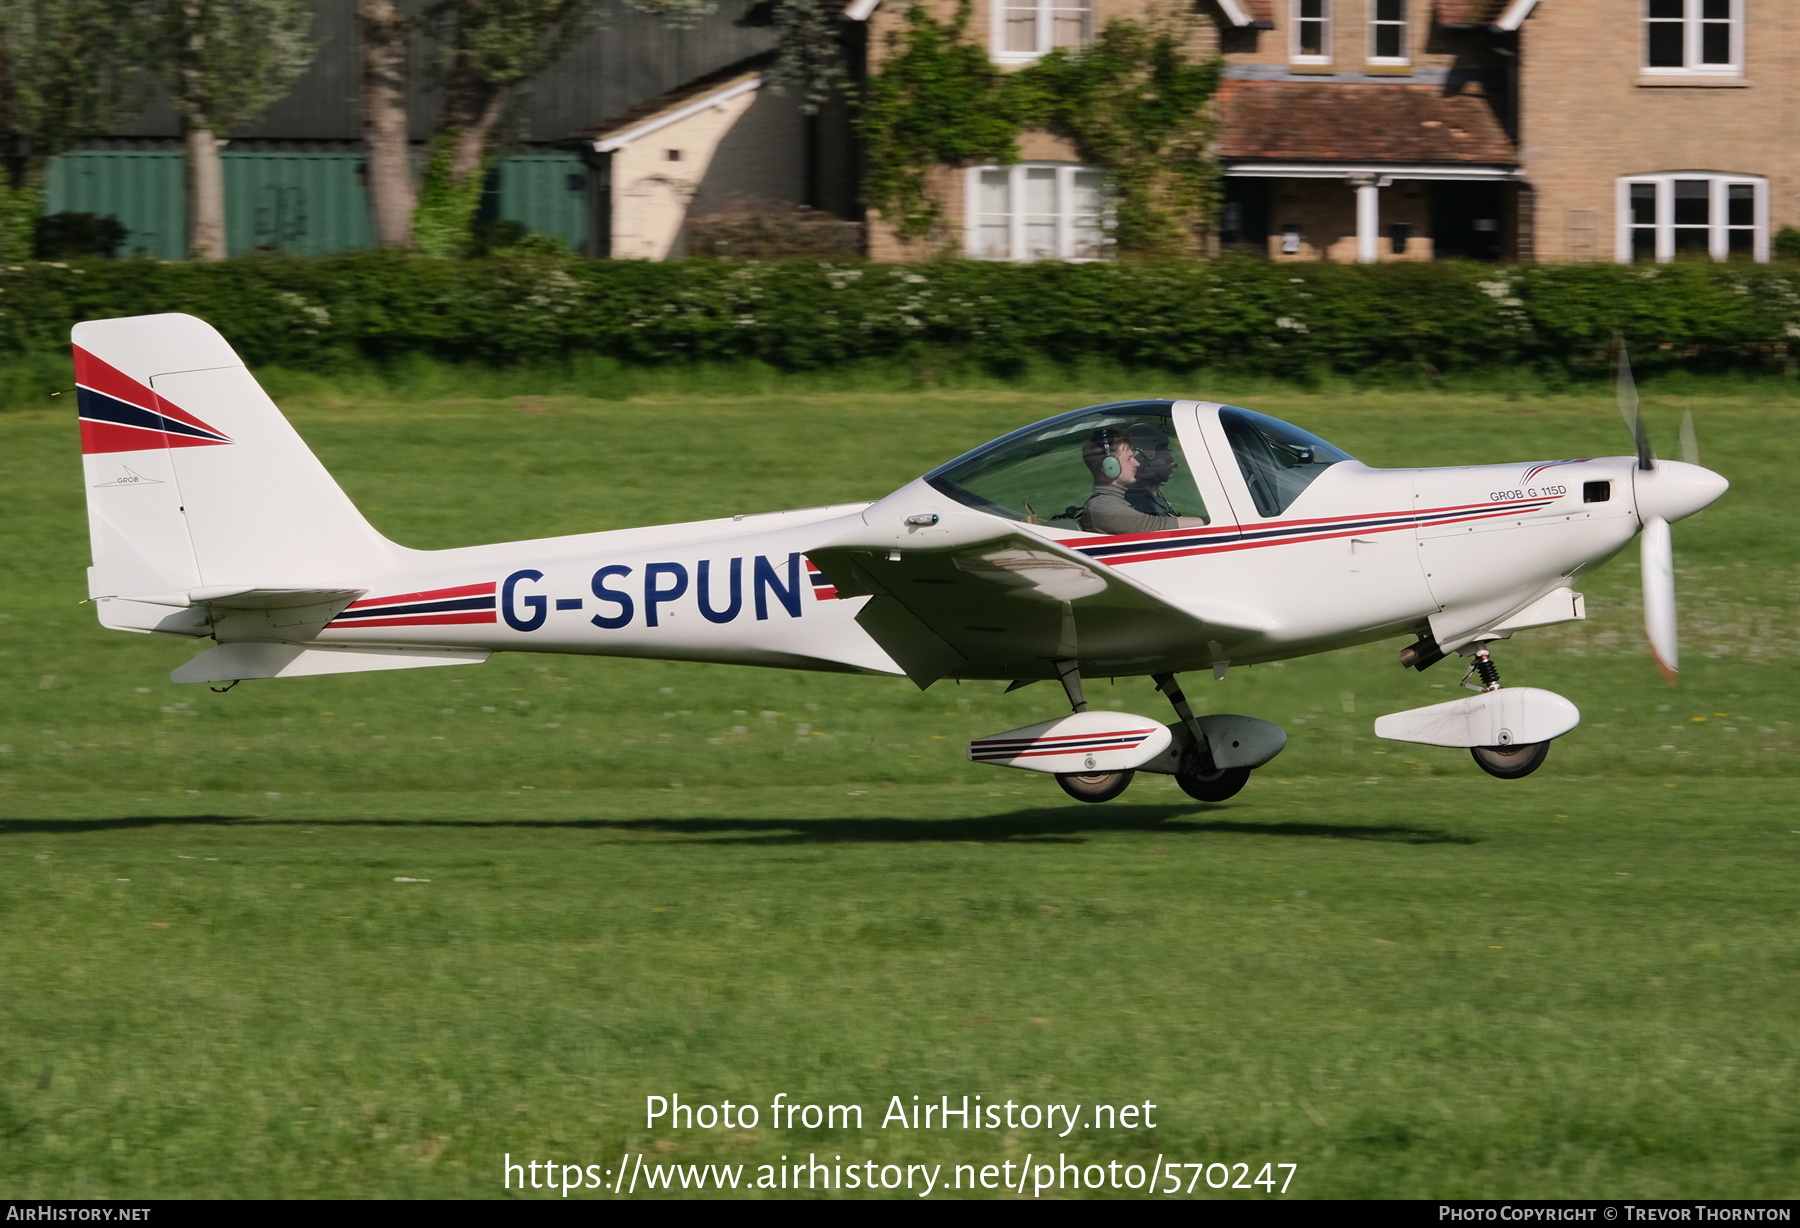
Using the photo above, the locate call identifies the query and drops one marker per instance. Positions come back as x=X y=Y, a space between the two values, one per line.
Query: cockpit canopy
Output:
x=1119 y=468
x=1053 y=472
x=1278 y=459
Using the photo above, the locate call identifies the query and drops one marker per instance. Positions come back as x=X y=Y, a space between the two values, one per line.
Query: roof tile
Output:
x=1358 y=122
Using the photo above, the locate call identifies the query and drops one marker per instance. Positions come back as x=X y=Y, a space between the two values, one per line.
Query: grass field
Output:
x=1376 y=963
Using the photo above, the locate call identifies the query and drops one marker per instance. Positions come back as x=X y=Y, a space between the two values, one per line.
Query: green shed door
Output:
x=299 y=204
x=543 y=192
x=144 y=189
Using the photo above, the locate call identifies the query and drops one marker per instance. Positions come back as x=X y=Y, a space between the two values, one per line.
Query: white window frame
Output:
x=1046 y=29
x=1405 y=24
x=1294 y=55
x=1692 y=22
x=1718 y=221
x=1065 y=222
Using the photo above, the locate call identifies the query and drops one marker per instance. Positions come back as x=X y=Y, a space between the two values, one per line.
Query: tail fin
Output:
x=194 y=478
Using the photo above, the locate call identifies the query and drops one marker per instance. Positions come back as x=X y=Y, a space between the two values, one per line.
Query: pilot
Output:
x=1130 y=467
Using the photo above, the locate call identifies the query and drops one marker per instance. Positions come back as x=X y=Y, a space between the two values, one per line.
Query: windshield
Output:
x=1278 y=460
x=1110 y=469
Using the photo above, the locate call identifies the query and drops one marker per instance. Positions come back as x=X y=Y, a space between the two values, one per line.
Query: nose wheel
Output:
x=1506 y=762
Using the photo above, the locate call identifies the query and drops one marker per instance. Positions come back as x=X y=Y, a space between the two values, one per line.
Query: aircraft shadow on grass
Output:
x=1039 y=825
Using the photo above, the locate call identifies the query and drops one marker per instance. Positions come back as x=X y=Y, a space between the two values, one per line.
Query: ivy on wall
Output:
x=1135 y=103
x=938 y=100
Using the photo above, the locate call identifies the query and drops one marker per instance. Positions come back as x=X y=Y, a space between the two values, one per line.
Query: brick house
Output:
x=1378 y=130
x=1656 y=127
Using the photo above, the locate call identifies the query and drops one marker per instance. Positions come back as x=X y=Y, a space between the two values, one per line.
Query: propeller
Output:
x=1626 y=390
x=1658 y=565
x=1664 y=492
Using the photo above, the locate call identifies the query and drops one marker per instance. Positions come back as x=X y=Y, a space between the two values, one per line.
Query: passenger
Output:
x=1130 y=467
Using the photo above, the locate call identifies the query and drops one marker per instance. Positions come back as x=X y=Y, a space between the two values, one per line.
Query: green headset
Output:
x=1109 y=464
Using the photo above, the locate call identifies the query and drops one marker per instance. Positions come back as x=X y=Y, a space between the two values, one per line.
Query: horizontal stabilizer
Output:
x=232 y=662
x=238 y=597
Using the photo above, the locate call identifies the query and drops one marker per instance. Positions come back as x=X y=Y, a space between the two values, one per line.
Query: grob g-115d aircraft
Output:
x=1142 y=538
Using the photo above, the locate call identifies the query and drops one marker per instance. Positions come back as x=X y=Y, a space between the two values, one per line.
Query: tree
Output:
x=809 y=52
x=64 y=75
x=225 y=62
x=490 y=48
x=383 y=35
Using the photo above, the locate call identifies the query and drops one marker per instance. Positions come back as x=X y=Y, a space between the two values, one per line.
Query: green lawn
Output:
x=1376 y=963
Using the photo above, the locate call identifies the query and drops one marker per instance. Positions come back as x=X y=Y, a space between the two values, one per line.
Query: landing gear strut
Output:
x=1511 y=760
x=1197 y=775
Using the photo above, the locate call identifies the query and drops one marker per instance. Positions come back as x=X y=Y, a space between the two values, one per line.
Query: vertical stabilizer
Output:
x=195 y=479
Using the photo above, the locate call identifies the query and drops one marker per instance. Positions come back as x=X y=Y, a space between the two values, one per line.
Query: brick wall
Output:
x=1588 y=116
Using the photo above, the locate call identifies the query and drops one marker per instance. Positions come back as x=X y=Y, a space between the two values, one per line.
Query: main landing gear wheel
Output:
x=1095 y=786
x=1213 y=786
x=1511 y=762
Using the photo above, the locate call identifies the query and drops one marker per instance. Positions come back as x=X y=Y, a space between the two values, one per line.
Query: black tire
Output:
x=1511 y=762
x=1095 y=786
x=1214 y=787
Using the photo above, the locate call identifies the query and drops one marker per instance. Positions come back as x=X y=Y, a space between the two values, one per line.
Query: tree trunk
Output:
x=205 y=195
x=384 y=35
x=472 y=112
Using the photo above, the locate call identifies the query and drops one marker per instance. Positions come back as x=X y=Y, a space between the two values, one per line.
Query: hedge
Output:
x=1240 y=315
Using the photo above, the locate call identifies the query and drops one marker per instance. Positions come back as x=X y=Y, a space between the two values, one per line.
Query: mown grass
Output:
x=644 y=878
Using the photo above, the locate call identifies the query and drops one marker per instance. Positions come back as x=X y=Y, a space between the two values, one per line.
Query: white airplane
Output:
x=1141 y=538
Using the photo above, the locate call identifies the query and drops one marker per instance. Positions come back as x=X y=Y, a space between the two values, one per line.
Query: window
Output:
x=1048 y=473
x=1694 y=36
x=1037 y=212
x=1693 y=214
x=1387 y=32
x=1312 y=32
x=1278 y=459
x=1026 y=29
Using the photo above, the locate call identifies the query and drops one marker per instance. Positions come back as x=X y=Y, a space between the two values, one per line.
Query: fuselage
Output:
x=1361 y=554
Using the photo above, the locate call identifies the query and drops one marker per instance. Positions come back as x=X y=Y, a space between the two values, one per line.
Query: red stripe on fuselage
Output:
x=1359 y=528
x=1121 y=539
x=436 y=594
x=419 y=620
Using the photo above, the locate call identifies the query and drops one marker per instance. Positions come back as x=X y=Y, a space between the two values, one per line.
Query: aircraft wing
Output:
x=993 y=602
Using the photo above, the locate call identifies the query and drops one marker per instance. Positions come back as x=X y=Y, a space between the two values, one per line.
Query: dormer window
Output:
x=1387 y=32
x=1312 y=32
x=1694 y=36
x=1024 y=30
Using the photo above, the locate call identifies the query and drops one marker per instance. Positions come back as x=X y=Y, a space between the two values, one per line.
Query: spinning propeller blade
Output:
x=1665 y=492
x=1658 y=562
x=1626 y=389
